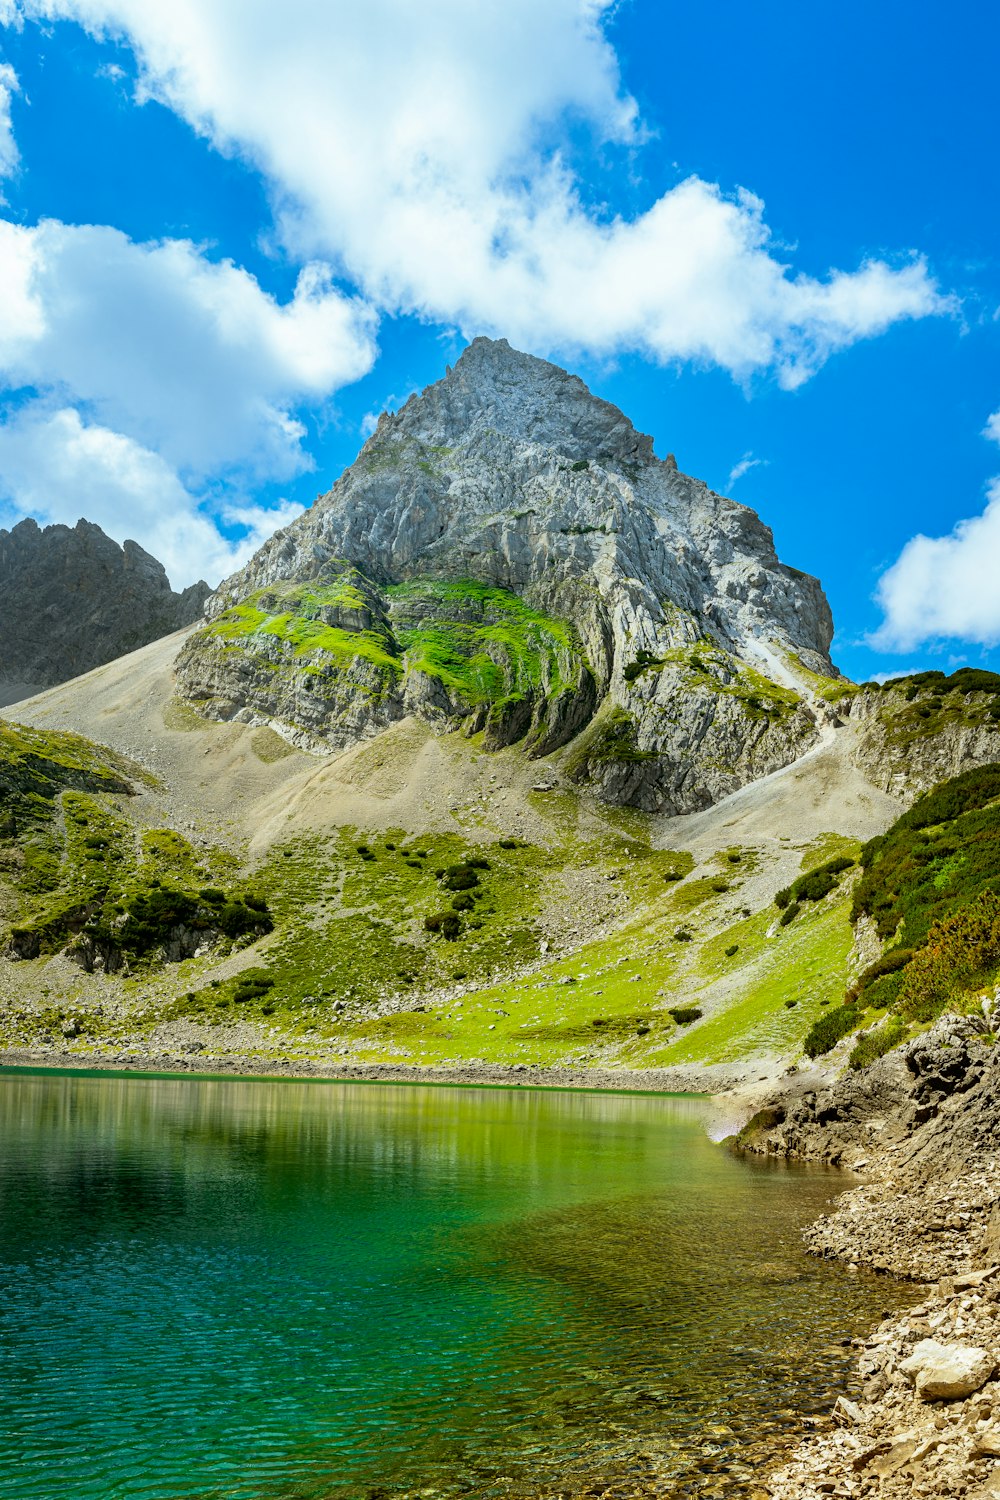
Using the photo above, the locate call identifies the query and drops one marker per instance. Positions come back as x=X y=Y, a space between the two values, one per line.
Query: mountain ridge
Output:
x=74 y=599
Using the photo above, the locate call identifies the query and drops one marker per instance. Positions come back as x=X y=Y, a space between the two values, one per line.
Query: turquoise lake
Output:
x=233 y=1290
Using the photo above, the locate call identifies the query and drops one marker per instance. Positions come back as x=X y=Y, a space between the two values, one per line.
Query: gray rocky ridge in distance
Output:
x=672 y=681
x=72 y=599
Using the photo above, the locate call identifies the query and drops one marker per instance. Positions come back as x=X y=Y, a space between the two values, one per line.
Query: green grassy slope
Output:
x=589 y=947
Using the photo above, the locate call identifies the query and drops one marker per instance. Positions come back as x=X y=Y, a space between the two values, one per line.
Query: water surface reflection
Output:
x=217 y=1288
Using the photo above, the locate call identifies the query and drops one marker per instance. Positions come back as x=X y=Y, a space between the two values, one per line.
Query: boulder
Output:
x=948 y=1372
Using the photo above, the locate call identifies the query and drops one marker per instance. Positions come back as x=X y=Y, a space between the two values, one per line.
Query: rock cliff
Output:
x=917 y=731
x=73 y=599
x=508 y=555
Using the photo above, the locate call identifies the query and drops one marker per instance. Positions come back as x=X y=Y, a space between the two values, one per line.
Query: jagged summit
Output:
x=510 y=478
x=494 y=388
x=73 y=599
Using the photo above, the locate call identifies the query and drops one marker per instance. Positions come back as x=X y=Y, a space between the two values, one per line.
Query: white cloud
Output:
x=945 y=587
x=428 y=149
x=185 y=356
x=9 y=154
x=745 y=464
x=56 y=467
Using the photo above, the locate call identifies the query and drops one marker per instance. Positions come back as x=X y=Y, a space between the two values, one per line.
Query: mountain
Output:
x=508 y=555
x=73 y=599
x=352 y=816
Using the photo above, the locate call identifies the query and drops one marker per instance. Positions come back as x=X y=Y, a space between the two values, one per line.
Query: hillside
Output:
x=584 y=930
x=73 y=599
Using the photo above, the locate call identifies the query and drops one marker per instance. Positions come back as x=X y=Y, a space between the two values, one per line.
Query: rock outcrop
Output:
x=507 y=555
x=911 y=736
x=73 y=599
x=922 y=1124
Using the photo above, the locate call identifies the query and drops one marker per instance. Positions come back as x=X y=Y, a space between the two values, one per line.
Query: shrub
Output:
x=462 y=902
x=235 y=920
x=815 y=885
x=212 y=896
x=883 y=992
x=251 y=985
x=685 y=1014
x=896 y=958
x=447 y=923
x=477 y=863
x=961 y=952
x=734 y=948
x=825 y=1033
x=460 y=878
x=877 y=1042
x=683 y=936
x=790 y=913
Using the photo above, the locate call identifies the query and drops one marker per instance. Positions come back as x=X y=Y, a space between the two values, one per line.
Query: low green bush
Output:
x=814 y=884
x=446 y=923
x=825 y=1033
x=877 y=1042
x=685 y=1014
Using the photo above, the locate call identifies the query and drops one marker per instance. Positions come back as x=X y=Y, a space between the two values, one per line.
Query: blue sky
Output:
x=232 y=232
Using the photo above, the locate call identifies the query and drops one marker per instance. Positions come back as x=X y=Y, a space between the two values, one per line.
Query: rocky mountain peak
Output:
x=494 y=389
x=508 y=554
x=74 y=599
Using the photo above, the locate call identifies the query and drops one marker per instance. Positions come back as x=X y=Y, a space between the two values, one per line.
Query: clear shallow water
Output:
x=312 y=1292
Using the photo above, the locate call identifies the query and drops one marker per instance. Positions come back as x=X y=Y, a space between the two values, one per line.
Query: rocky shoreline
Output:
x=923 y=1126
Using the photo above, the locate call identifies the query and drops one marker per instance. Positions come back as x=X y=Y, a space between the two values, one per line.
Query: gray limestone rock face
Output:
x=907 y=745
x=73 y=599
x=679 y=622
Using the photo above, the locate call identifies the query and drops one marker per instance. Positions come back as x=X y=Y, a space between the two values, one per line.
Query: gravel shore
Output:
x=923 y=1125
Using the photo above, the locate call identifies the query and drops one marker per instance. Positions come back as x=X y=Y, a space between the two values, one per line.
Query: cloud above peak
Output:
x=151 y=388
x=432 y=153
x=186 y=355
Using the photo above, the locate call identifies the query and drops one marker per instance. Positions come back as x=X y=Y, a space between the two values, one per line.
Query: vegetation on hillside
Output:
x=931 y=888
x=923 y=704
x=75 y=873
x=483 y=647
x=706 y=666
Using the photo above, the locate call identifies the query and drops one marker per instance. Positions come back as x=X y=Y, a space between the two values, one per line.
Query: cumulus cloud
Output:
x=430 y=150
x=157 y=377
x=56 y=467
x=945 y=587
x=9 y=155
x=186 y=356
